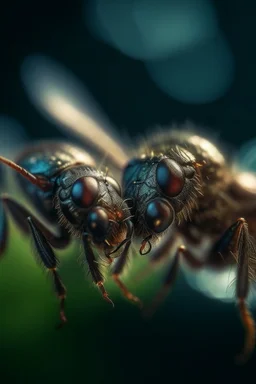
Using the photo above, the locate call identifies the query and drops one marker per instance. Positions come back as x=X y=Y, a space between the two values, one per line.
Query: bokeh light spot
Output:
x=218 y=284
x=113 y=22
x=246 y=156
x=151 y=29
x=174 y=25
x=199 y=75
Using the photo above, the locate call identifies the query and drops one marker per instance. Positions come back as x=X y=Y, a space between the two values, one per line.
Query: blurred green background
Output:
x=191 y=337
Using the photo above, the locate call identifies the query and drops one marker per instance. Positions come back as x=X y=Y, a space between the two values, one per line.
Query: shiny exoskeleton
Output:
x=209 y=197
x=183 y=190
x=164 y=187
x=74 y=199
x=179 y=177
x=179 y=187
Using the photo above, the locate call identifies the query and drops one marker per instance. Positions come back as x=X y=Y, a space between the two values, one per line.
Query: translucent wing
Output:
x=61 y=97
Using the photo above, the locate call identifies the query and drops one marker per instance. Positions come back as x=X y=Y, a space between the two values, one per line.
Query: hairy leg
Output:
x=49 y=260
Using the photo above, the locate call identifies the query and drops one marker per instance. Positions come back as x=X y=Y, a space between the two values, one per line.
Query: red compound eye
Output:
x=170 y=177
x=84 y=191
x=159 y=215
x=98 y=223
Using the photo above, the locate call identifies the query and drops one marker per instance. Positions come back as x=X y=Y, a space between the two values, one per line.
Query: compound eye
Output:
x=84 y=191
x=170 y=177
x=159 y=215
x=114 y=184
x=98 y=223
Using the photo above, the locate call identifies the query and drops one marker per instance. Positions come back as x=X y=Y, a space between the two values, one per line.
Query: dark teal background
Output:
x=191 y=337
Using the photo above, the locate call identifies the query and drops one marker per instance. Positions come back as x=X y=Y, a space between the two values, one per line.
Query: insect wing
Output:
x=57 y=94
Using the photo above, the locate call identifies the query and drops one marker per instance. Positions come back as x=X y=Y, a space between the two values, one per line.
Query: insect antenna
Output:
x=127 y=218
x=127 y=241
x=143 y=245
x=119 y=246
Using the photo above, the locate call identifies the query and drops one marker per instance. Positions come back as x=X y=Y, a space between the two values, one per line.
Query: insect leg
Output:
x=170 y=278
x=94 y=268
x=116 y=272
x=20 y=215
x=40 y=181
x=158 y=255
x=237 y=240
x=50 y=261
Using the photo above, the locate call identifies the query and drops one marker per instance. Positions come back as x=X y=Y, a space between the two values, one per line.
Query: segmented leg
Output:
x=117 y=271
x=50 y=262
x=158 y=255
x=94 y=268
x=42 y=236
x=171 y=276
x=20 y=215
x=121 y=262
x=238 y=241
